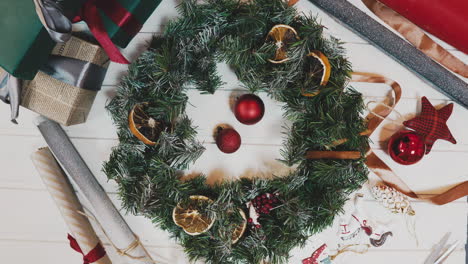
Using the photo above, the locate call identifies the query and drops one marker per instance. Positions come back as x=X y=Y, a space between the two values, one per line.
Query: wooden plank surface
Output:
x=33 y=231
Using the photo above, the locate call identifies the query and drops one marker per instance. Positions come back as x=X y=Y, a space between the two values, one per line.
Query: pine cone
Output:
x=392 y=199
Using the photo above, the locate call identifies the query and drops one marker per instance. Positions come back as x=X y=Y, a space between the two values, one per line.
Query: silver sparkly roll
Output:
x=108 y=216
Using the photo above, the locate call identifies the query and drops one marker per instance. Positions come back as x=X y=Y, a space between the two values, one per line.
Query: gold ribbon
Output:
x=417 y=37
x=373 y=162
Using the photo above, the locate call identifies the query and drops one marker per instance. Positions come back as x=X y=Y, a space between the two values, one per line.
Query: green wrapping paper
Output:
x=140 y=9
x=25 y=44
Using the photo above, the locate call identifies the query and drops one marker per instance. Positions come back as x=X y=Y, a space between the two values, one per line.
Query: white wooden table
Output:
x=32 y=230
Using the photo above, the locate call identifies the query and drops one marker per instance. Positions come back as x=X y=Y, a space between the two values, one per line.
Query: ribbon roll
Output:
x=10 y=93
x=53 y=19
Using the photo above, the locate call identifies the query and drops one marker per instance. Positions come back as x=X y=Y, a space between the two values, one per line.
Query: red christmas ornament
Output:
x=431 y=124
x=228 y=140
x=249 y=109
x=406 y=147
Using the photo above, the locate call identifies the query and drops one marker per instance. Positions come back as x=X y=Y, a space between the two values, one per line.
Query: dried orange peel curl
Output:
x=240 y=229
x=325 y=65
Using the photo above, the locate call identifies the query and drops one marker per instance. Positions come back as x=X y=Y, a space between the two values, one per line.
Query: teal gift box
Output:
x=141 y=10
x=26 y=45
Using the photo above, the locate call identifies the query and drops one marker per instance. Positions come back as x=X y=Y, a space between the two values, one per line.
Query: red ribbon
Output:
x=94 y=255
x=314 y=258
x=118 y=14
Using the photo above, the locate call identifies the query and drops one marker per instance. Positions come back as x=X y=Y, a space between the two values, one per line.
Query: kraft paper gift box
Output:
x=58 y=100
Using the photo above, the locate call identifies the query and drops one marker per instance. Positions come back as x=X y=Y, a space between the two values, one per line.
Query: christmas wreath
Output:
x=273 y=49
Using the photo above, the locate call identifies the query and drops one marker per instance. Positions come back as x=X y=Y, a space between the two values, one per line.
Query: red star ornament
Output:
x=431 y=124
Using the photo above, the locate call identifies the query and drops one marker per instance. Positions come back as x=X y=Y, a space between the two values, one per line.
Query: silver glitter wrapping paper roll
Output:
x=424 y=67
x=105 y=212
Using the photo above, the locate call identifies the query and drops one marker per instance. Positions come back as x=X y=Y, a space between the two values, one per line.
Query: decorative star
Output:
x=431 y=124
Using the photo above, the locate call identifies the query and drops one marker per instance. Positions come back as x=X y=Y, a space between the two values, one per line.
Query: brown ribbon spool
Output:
x=373 y=162
x=417 y=37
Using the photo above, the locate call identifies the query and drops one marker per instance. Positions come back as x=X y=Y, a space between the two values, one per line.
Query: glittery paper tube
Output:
x=67 y=202
x=105 y=212
x=397 y=48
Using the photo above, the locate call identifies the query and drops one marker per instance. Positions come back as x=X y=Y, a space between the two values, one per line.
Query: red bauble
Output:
x=228 y=140
x=432 y=123
x=249 y=109
x=406 y=147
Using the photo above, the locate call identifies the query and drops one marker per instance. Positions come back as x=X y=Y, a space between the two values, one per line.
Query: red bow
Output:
x=118 y=14
x=94 y=255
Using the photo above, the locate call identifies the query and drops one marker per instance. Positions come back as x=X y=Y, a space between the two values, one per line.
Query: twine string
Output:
x=411 y=227
x=122 y=252
x=348 y=248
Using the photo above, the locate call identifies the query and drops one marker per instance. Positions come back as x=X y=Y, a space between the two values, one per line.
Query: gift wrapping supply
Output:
x=104 y=210
x=445 y=19
x=397 y=48
x=67 y=202
x=25 y=44
x=67 y=96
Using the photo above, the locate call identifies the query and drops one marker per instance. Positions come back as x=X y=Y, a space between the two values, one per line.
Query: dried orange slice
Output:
x=142 y=126
x=319 y=69
x=239 y=231
x=282 y=35
x=192 y=216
